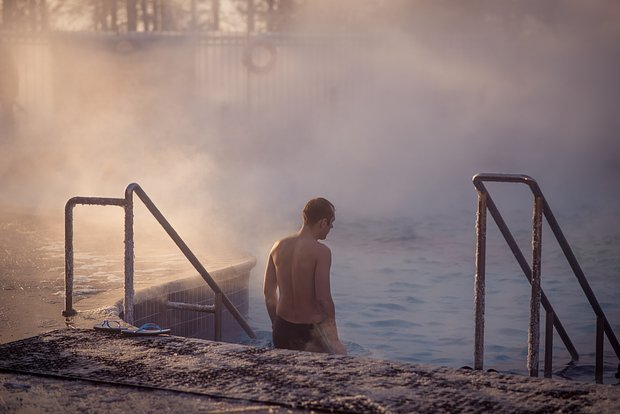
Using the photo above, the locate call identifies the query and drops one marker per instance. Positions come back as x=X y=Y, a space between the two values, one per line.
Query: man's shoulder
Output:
x=283 y=241
x=283 y=244
x=306 y=244
x=322 y=249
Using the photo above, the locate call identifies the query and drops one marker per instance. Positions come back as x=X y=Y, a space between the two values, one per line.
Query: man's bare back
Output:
x=297 y=259
x=297 y=281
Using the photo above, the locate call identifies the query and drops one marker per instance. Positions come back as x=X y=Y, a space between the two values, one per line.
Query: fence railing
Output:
x=228 y=74
x=128 y=303
x=533 y=274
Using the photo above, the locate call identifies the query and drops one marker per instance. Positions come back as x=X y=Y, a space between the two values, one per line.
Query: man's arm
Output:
x=322 y=289
x=270 y=287
x=324 y=298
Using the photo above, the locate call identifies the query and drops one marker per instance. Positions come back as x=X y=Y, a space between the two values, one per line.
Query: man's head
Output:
x=319 y=214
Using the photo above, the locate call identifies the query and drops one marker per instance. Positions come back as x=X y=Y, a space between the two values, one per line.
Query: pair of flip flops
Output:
x=110 y=326
x=148 y=329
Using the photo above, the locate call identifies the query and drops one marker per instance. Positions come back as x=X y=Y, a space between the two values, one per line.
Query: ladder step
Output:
x=191 y=307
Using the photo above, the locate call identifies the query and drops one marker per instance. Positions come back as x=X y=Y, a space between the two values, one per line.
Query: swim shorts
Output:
x=298 y=336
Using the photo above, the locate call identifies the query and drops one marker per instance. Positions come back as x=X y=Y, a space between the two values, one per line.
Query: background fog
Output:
x=386 y=122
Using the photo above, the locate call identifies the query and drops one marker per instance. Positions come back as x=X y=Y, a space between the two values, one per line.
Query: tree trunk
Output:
x=156 y=15
x=216 y=15
x=271 y=15
x=98 y=15
x=113 y=16
x=286 y=9
x=43 y=12
x=32 y=15
x=251 y=16
x=132 y=16
x=194 y=20
x=167 y=22
x=8 y=14
x=145 y=15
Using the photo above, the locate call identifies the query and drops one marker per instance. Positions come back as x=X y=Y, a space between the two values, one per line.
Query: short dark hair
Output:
x=317 y=209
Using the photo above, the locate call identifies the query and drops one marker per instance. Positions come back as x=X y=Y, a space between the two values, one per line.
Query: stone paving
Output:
x=223 y=377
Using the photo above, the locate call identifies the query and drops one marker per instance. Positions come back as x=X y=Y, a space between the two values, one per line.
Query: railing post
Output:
x=218 y=318
x=129 y=258
x=479 y=279
x=69 y=311
x=598 y=366
x=549 y=344
x=534 y=327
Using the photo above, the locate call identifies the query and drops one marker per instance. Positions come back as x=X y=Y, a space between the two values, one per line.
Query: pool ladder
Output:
x=533 y=274
x=128 y=304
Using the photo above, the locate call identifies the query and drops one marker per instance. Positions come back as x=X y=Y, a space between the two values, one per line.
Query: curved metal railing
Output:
x=128 y=303
x=541 y=207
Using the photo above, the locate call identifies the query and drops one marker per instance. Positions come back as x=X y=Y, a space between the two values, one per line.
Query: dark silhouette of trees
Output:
x=181 y=15
x=131 y=15
x=24 y=15
x=111 y=15
x=269 y=15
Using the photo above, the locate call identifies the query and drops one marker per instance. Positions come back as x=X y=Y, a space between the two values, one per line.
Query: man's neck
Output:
x=307 y=231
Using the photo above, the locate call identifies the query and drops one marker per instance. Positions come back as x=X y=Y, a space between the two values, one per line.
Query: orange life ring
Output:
x=259 y=56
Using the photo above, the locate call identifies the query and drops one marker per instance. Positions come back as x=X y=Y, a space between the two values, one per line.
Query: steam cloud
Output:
x=409 y=113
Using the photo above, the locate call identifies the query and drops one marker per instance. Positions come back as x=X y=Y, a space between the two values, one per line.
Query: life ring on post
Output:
x=259 y=56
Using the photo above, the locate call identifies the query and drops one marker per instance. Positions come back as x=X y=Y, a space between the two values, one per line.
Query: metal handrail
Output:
x=541 y=207
x=127 y=204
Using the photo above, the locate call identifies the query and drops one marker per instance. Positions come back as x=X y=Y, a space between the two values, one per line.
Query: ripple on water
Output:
x=414 y=301
x=443 y=361
x=403 y=285
x=422 y=355
x=356 y=349
x=496 y=348
x=511 y=332
x=386 y=270
x=390 y=306
x=609 y=305
x=501 y=358
x=451 y=341
x=393 y=323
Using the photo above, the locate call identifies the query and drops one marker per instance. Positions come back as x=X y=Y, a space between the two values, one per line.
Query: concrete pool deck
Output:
x=82 y=369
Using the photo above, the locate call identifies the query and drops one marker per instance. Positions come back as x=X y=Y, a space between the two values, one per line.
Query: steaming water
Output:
x=403 y=290
x=403 y=287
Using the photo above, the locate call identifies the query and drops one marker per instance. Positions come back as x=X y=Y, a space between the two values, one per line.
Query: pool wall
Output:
x=150 y=303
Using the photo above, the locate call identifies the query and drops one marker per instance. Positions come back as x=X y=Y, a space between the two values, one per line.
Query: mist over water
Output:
x=389 y=125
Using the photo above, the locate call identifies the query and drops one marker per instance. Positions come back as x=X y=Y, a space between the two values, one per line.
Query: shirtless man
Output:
x=297 y=289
